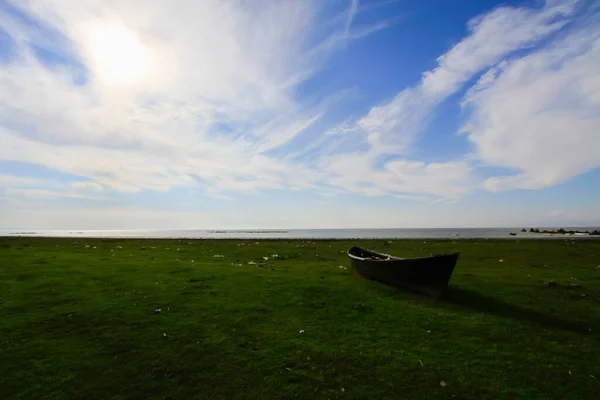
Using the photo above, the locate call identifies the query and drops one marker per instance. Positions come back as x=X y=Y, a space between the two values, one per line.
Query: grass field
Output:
x=78 y=321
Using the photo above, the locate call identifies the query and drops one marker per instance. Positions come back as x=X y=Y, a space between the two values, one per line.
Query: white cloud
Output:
x=11 y=203
x=23 y=190
x=215 y=193
x=413 y=197
x=7 y=181
x=286 y=133
x=43 y=194
x=84 y=185
x=355 y=173
x=213 y=63
x=393 y=127
x=539 y=114
x=352 y=11
x=215 y=106
x=492 y=36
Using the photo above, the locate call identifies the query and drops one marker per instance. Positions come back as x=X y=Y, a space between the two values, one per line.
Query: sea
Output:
x=414 y=233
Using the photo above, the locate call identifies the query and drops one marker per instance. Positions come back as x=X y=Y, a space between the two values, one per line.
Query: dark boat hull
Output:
x=428 y=275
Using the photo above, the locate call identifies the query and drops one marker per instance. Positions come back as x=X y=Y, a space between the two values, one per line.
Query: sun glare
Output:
x=118 y=56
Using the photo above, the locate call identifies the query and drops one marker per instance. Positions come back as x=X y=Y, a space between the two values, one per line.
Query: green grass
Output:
x=77 y=321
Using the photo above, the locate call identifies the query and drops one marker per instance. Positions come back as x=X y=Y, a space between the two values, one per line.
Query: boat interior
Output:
x=363 y=253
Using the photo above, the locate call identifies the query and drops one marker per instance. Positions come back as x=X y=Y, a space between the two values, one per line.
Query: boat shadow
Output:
x=480 y=303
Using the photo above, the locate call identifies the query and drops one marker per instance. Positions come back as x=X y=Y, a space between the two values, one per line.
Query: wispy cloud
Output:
x=355 y=173
x=20 y=189
x=491 y=37
x=394 y=126
x=352 y=10
x=213 y=63
x=9 y=181
x=86 y=186
x=43 y=194
x=217 y=106
x=539 y=114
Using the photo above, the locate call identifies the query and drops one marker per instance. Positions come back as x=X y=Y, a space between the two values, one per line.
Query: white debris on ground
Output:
x=301 y=331
x=342 y=267
x=218 y=256
x=265 y=258
x=501 y=260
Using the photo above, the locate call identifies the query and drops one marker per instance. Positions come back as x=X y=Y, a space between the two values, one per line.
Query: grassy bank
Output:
x=78 y=320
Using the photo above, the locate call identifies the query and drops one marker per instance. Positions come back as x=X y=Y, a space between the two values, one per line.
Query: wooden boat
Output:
x=428 y=275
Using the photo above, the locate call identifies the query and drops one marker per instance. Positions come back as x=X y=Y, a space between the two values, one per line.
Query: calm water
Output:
x=298 y=233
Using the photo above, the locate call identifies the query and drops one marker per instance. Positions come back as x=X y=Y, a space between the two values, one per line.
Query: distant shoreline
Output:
x=561 y=231
x=317 y=234
x=247 y=231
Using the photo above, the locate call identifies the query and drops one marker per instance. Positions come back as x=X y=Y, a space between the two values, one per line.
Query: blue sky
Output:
x=299 y=114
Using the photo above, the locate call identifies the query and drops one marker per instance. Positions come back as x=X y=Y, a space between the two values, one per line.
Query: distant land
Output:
x=412 y=233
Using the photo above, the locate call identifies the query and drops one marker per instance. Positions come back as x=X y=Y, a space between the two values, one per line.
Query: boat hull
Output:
x=429 y=275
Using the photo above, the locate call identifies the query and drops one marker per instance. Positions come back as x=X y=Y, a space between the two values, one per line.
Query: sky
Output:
x=207 y=114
